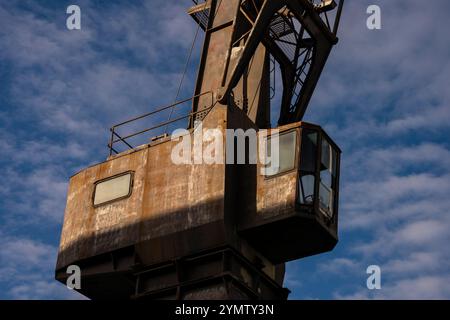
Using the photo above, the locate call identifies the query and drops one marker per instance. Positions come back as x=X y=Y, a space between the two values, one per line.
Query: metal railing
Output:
x=116 y=137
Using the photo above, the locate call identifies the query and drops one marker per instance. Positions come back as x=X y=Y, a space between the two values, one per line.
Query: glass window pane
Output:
x=286 y=149
x=112 y=189
x=309 y=150
x=326 y=200
x=329 y=157
x=306 y=189
x=334 y=162
x=327 y=177
x=326 y=159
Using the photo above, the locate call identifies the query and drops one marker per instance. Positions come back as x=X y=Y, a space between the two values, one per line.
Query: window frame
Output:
x=334 y=193
x=307 y=206
x=315 y=206
x=96 y=183
x=296 y=159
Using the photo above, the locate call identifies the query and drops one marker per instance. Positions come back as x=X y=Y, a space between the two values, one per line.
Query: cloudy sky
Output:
x=383 y=97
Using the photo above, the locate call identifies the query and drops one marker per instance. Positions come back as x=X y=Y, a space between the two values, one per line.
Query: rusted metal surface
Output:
x=219 y=274
x=116 y=138
x=298 y=34
x=279 y=227
x=173 y=211
x=177 y=212
x=169 y=199
x=160 y=187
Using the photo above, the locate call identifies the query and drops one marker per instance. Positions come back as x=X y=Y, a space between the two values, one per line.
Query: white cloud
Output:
x=25 y=252
x=70 y=87
x=418 y=262
x=421 y=287
x=291 y=279
x=339 y=266
x=64 y=91
x=31 y=196
x=26 y=270
x=382 y=84
x=384 y=98
x=43 y=290
x=430 y=118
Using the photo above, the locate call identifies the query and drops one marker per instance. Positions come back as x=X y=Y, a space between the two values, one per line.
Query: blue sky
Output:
x=383 y=97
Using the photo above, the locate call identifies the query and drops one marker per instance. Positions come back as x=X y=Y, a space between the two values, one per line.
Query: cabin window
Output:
x=324 y=177
x=306 y=188
x=286 y=153
x=327 y=178
x=113 y=188
x=307 y=167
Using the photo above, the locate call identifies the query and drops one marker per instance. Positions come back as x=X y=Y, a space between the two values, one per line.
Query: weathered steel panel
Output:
x=166 y=198
x=87 y=230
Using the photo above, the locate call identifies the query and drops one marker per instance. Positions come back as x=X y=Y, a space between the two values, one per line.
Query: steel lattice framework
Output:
x=299 y=35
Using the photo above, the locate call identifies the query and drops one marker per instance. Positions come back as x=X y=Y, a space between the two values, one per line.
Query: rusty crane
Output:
x=140 y=226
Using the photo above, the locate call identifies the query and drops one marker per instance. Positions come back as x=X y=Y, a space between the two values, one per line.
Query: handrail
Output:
x=115 y=137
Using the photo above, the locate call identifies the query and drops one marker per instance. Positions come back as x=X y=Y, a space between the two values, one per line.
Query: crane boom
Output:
x=240 y=34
